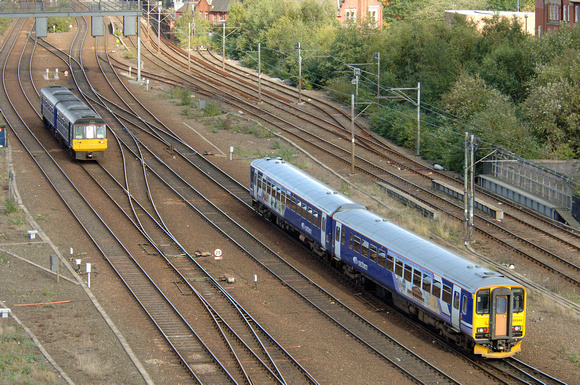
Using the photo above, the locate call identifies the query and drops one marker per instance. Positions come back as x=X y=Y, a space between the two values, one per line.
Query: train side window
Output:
x=305 y=212
x=324 y=225
x=256 y=178
x=309 y=213
x=390 y=263
x=446 y=297
x=365 y=249
x=293 y=204
x=381 y=260
x=373 y=253
x=263 y=187
x=464 y=305
x=426 y=283
x=279 y=195
x=518 y=299
x=315 y=220
x=269 y=188
x=408 y=273
x=482 y=302
x=417 y=278
x=283 y=199
x=456 y=298
x=337 y=234
x=350 y=241
x=436 y=289
x=399 y=268
x=357 y=244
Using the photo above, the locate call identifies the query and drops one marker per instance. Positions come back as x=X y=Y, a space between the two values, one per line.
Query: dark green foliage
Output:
x=59 y=24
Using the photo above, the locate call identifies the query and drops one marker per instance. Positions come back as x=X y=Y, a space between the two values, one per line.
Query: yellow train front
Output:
x=499 y=321
x=73 y=123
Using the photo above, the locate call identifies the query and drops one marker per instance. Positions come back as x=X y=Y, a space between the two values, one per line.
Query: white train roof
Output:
x=421 y=251
x=304 y=185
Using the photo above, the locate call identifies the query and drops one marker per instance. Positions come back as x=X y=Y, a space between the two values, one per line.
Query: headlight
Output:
x=482 y=330
x=516 y=328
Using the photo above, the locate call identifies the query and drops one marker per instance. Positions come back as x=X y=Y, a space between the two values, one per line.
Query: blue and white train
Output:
x=478 y=308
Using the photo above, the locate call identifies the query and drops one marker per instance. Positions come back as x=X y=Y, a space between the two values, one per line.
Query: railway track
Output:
x=179 y=147
x=191 y=349
x=555 y=251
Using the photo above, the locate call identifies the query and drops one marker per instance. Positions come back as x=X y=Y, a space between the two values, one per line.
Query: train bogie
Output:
x=80 y=129
x=472 y=305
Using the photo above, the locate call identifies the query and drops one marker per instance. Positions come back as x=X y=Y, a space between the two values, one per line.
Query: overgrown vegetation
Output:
x=59 y=24
x=496 y=81
x=20 y=360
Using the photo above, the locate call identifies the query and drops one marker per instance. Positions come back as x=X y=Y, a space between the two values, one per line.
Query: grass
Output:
x=10 y=206
x=20 y=360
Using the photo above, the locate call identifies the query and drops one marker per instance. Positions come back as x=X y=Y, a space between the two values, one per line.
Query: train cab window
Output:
x=446 y=297
x=381 y=260
x=356 y=244
x=399 y=268
x=78 y=132
x=408 y=273
x=482 y=302
x=390 y=263
x=417 y=278
x=373 y=253
x=315 y=219
x=365 y=249
x=426 y=283
x=464 y=305
x=456 y=298
x=436 y=289
x=518 y=299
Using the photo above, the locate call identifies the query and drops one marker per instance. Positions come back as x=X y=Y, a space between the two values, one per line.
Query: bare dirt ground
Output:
x=64 y=317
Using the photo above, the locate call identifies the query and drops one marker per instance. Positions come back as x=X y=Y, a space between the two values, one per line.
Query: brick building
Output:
x=551 y=13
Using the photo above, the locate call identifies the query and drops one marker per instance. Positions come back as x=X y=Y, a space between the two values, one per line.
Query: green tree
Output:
x=197 y=36
x=553 y=107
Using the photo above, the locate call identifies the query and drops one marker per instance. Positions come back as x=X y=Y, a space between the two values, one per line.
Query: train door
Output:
x=323 y=231
x=501 y=310
x=337 y=237
x=455 y=321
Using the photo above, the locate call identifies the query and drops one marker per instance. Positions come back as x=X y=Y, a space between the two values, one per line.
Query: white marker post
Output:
x=231 y=152
x=89 y=275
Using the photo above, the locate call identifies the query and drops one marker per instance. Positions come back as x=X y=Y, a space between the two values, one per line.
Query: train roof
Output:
x=421 y=251
x=69 y=104
x=304 y=185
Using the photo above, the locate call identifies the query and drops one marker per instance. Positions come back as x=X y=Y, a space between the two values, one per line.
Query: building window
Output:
x=553 y=13
x=350 y=14
x=565 y=16
x=576 y=8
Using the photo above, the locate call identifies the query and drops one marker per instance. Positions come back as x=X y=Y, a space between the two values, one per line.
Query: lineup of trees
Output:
x=507 y=87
